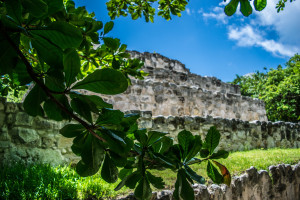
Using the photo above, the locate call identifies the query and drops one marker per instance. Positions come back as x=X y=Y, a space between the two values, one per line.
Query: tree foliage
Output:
x=63 y=51
x=279 y=88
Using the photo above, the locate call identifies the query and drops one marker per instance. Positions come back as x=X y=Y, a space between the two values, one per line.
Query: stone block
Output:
x=11 y=107
x=24 y=119
x=26 y=135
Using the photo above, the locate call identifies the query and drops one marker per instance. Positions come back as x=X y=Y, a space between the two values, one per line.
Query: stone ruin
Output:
x=171 y=89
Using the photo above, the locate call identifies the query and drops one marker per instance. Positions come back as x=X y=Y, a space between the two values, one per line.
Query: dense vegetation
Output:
x=46 y=182
x=279 y=88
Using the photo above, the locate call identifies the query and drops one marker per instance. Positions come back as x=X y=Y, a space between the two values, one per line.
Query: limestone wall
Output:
x=281 y=182
x=170 y=89
x=24 y=138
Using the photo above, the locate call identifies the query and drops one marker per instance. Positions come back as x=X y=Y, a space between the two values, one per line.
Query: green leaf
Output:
x=72 y=130
x=117 y=159
x=130 y=181
x=219 y=154
x=111 y=43
x=212 y=139
x=61 y=34
x=55 y=80
x=72 y=66
x=154 y=137
x=50 y=53
x=143 y=190
x=163 y=145
x=21 y=72
x=246 y=8
x=92 y=156
x=98 y=101
x=185 y=139
x=14 y=10
x=108 y=27
x=231 y=7
x=141 y=136
x=37 y=8
x=52 y=110
x=259 y=5
x=197 y=144
x=32 y=102
x=204 y=153
x=104 y=81
x=194 y=175
x=109 y=116
x=183 y=190
x=54 y=6
x=155 y=181
x=109 y=171
x=82 y=108
x=115 y=142
x=213 y=173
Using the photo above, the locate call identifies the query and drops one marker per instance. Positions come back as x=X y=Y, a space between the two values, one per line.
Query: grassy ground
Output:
x=46 y=182
x=238 y=162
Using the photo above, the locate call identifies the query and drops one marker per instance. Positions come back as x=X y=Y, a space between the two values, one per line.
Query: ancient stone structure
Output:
x=37 y=139
x=282 y=182
x=170 y=89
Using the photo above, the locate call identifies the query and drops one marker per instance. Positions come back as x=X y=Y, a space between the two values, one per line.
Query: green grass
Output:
x=46 y=182
x=238 y=162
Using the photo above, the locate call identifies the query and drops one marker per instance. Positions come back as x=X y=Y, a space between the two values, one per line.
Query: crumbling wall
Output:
x=170 y=89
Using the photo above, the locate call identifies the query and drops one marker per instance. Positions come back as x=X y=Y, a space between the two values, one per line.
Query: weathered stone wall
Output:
x=282 y=182
x=36 y=139
x=170 y=89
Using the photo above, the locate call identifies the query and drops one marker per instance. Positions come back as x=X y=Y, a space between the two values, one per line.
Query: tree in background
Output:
x=278 y=88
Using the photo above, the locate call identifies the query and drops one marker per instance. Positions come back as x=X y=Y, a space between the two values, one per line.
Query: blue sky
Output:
x=210 y=43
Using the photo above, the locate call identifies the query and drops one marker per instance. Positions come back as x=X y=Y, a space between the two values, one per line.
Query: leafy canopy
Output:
x=279 y=88
x=63 y=52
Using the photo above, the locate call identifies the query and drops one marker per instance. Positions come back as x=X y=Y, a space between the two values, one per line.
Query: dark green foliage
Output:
x=278 y=88
x=64 y=51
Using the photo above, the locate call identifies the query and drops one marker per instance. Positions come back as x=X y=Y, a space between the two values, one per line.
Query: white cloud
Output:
x=188 y=11
x=217 y=14
x=248 y=36
x=285 y=25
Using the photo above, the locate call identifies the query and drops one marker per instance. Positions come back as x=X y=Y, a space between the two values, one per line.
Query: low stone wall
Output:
x=282 y=182
x=37 y=139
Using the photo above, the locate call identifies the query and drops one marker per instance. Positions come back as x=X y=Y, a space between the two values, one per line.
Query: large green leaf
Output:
x=163 y=145
x=112 y=43
x=231 y=7
x=14 y=10
x=82 y=108
x=130 y=181
x=220 y=154
x=197 y=144
x=108 y=27
x=109 y=171
x=155 y=181
x=8 y=56
x=109 y=116
x=212 y=139
x=92 y=156
x=259 y=5
x=194 y=175
x=246 y=8
x=114 y=142
x=154 y=137
x=61 y=34
x=49 y=52
x=21 y=72
x=183 y=190
x=213 y=173
x=32 y=102
x=185 y=139
x=140 y=135
x=72 y=66
x=104 y=81
x=72 y=130
x=54 y=6
x=36 y=8
x=55 y=80
x=225 y=173
x=143 y=190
